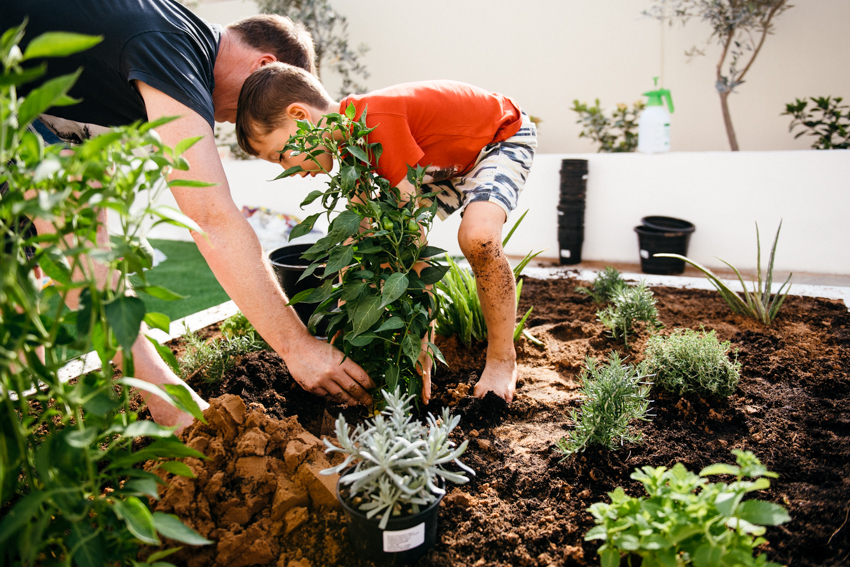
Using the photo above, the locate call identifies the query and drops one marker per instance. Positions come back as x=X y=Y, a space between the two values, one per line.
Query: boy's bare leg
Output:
x=480 y=239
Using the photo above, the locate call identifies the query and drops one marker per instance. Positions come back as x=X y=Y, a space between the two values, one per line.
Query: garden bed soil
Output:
x=260 y=497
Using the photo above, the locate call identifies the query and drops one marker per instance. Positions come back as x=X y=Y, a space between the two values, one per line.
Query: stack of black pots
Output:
x=571 y=209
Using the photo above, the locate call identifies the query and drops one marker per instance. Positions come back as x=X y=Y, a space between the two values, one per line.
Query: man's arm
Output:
x=234 y=254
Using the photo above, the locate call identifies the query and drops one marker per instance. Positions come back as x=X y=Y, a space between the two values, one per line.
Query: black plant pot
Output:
x=671 y=240
x=404 y=540
x=288 y=266
x=569 y=244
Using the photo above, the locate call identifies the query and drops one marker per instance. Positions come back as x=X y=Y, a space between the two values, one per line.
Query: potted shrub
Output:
x=393 y=479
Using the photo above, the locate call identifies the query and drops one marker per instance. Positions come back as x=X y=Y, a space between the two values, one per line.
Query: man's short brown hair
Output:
x=266 y=95
x=288 y=41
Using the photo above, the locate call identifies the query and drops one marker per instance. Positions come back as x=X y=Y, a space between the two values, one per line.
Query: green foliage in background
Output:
x=607 y=282
x=628 y=306
x=690 y=361
x=615 y=395
x=756 y=303
x=368 y=256
x=827 y=119
x=614 y=130
x=685 y=520
x=460 y=308
x=63 y=445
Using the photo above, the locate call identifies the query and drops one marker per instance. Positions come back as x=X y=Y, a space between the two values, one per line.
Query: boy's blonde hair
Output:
x=266 y=95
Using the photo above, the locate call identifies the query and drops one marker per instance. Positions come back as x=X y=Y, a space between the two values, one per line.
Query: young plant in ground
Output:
x=369 y=255
x=460 y=308
x=691 y=361
x=398 y=462
x=70 y=487
x=828 y=119
x=608 y=281
x=615 y=131
x=211 y=360
x=239 y=326
x=755 y=304
x=615 y=395
x=629 y=305
x=684 y=520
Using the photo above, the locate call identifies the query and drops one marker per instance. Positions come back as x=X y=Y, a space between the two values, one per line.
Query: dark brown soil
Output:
x=528 y=507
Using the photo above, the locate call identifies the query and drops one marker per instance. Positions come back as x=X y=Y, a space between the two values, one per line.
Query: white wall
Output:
x=545 y=53
x=723 y=193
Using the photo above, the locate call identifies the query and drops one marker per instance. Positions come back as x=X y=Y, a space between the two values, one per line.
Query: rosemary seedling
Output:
x=630 y=304
x=606 y=284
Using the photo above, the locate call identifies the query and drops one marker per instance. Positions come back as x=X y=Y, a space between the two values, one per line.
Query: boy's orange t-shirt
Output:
x=440 y=125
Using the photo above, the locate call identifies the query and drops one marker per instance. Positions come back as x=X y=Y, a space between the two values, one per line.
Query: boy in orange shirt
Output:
x=477 y=148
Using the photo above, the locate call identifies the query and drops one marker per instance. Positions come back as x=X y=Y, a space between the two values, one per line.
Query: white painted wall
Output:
x=546 y=53
x=723 y=193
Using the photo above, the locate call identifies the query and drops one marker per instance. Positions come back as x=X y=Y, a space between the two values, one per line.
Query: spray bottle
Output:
x=654 y=123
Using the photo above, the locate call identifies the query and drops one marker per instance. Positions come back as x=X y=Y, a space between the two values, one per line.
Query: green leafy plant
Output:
x=607 y=282
x=755 y=303
x=369 y=255
x=70 y=488
x=629 y=305
x=615 y=395
x=614 y=130
x=460 y=308
x=210 y=360
x=238 y=325
x=739 y=27
x=329 y=30
x=691 y=361
x=828 y=119
x=397 y=461
x=685 y=520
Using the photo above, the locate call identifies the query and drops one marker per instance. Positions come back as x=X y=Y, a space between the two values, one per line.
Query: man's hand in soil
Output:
x=315 y=365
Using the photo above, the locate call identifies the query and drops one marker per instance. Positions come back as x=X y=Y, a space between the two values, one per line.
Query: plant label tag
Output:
x=402 y=540
x=565 y=253
x=644 y=254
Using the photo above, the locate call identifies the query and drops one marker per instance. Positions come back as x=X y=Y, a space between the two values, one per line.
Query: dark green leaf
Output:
x=340 y=257
x=311 y=197
x=438 y=354
x=171 y=527
x=56 y=265
x=184 y=400
x=166 y=355
x=289 y=172
x=138 y=519
x=391 y=377
x=146 y=486
x=81 y=438
x=125 y=315
x=23 y=77
x=364 y=313
x=412 y=347
x=391 y=324
x=430 y=252
x=147 y=428
x=433 y=274
x=362 y=340
x=21 y=514
x=763 y=513
x=394 y=287
x=88 y=547
x=304 y=227
x=359 y=154
x=346 y=224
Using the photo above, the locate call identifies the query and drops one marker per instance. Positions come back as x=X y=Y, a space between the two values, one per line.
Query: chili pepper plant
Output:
x=70 y=491
x=376 y=299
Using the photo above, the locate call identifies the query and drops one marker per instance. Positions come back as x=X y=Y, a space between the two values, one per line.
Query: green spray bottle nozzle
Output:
x=655 y=97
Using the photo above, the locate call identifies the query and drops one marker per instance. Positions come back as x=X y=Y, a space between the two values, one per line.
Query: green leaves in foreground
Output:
x=684 y=520
x=756 y=303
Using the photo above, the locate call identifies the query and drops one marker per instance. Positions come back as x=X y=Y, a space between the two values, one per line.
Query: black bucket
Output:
x=663 y=235
x=405 y=539
x=288 y=266
x=569 y=244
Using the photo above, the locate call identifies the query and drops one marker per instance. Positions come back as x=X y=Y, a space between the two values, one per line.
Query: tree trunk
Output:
x=727 y=121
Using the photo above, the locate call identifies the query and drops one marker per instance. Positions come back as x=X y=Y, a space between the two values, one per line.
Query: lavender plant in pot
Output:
x=393 y=479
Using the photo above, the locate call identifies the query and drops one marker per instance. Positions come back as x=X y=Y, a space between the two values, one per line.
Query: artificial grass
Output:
x=185 y=272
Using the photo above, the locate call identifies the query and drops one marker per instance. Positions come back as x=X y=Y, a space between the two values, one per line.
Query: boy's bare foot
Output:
x=499 y=377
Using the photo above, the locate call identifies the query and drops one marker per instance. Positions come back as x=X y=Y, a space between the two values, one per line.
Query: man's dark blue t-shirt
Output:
x=158 y=42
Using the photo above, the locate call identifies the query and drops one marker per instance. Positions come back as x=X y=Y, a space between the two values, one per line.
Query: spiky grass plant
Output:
x=459 y=308
x=398 y=461
x=630 y=304
x=615 y=395
x=755 y=304
x=692 y=361
x=606 y=284
x=211 y=360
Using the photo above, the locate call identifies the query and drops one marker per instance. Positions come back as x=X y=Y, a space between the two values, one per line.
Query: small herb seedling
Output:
x=630 y=304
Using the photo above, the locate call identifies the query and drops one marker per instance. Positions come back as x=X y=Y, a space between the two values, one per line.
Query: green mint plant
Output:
x=828 y=119
x=615 y=395
x=397 y=462
x=691 y=361
x=615 y=131
x=685 y=520
x=629 y=305
x=70 y=487
x=604 y=286
x=755 y=303
x=460 y=308
x=368 y=257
